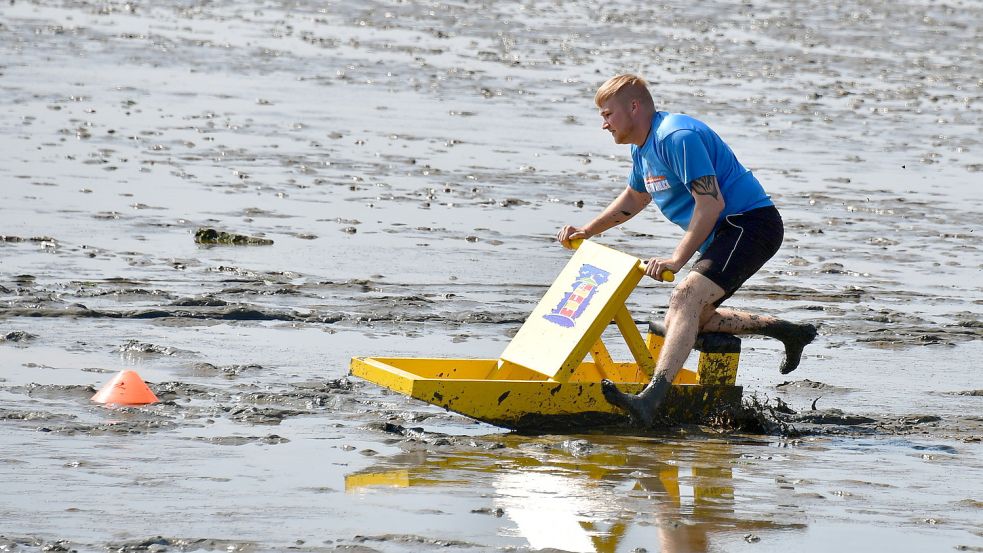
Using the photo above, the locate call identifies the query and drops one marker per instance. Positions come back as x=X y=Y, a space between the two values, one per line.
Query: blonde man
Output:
x=697 y=182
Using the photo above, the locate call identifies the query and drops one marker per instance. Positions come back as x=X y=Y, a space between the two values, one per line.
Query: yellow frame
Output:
x=560 y=387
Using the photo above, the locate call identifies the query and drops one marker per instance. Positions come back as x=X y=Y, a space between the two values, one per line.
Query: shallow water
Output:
x=410 y=163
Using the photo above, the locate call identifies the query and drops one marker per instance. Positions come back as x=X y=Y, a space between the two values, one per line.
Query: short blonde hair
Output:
x=626 y=87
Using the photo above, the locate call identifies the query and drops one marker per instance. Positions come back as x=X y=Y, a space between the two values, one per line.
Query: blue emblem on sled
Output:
x=578 y=298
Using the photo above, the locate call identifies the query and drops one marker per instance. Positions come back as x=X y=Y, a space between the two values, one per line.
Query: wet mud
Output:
x=212 y=236
x=235 y=198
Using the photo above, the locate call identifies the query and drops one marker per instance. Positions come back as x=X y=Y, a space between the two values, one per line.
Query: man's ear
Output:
x=635 y=105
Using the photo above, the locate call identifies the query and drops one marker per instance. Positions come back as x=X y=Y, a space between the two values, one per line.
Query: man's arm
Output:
x=709 y=204
x=628 y=204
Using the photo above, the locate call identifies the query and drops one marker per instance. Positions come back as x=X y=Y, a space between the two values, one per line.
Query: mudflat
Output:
x=381 y=178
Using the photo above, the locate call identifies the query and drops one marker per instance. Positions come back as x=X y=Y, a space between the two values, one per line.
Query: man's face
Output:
x=617 y=119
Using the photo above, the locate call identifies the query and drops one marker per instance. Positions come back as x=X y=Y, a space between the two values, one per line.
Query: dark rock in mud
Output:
x=229 y=371
x=905 y=336
x=488 y=318
x=6 y=414
x=419 y=435
x=55 y=391
x=203 y=301
x=968 y=319
x=17 y=336
x=232 y=313
x=14 y=544
x=305 y=397
x=509 y=202
x=793 y=293
x=271 y=439
x=919 y=419
x=417 y=540
x=228 y=313
x=172 y=390
x=829 y=416
x=832 y=269
x=394 y=428
x=261 y=415
x=145 y=424
x=807 y=385
x=333 y=386
x=212 y=236
x=497 y=512
x=160 y=543
x=936 y=447
x=135 y=346
x=355 y=549
x=975 y=393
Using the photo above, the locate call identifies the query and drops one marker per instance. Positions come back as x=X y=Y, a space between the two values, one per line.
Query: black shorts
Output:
x=742 y=244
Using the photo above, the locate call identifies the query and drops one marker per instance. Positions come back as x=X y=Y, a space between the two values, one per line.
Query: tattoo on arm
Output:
x=706 y=186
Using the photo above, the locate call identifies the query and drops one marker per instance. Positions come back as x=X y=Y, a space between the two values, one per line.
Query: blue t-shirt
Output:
x=680 y=149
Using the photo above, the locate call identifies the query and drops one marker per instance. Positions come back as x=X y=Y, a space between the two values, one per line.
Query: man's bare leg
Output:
x=687 y=304
x=795 y=336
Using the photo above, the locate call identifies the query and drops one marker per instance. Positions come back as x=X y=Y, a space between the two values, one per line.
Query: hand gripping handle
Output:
x=667 y=275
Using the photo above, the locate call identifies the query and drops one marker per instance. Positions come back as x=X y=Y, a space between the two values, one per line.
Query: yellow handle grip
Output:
x=667 y=275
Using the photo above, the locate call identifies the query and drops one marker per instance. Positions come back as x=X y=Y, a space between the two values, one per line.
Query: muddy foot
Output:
x=795 y=337
x=640 y=408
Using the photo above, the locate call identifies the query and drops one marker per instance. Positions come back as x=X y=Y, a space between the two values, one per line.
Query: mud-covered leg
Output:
x=686 y=306
x=795 y=336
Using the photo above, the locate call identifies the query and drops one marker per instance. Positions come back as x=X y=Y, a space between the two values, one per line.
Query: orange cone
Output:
x=126 y=388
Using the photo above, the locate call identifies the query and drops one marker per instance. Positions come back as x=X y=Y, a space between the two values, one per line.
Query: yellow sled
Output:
x=543 y=381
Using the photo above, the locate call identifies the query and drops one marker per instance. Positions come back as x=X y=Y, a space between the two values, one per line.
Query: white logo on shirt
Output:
x=656 y=183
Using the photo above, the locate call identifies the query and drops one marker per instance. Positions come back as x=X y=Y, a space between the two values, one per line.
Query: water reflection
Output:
x=599 y=496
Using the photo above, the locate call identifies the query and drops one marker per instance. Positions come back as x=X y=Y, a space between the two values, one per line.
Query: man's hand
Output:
x=656 y=266
x=569 y=233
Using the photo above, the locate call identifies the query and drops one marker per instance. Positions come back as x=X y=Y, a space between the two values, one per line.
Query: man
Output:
x=699 y=184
